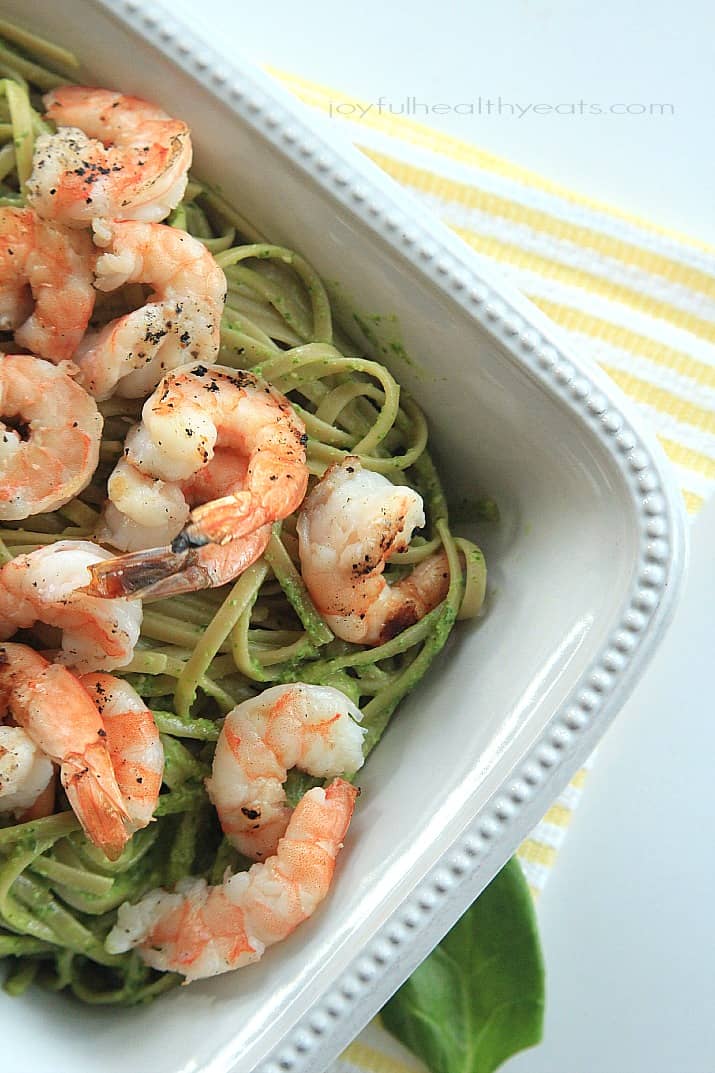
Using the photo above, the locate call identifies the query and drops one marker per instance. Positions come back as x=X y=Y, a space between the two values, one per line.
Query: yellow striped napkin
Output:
x=638 y=298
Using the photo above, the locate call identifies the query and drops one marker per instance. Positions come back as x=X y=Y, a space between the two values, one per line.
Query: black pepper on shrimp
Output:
x=352 y=522
x=112 y=156
x=204 y=468
x=130 y=355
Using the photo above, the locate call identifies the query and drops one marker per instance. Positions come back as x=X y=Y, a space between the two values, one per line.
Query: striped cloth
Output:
x=639 y=299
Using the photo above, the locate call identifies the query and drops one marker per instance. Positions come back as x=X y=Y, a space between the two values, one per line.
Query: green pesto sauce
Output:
x=297 y=785
x=430 y=485
x=466 y=510
x=382 y=331
x=443 y=627
x=294 y=593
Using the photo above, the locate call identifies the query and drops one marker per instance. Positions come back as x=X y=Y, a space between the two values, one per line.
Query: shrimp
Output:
x=25 y=771
x=313 y=728
x=196 y=409
x=348 y=527
x=112 y=156
x=144 y=511
x=180 y=322
x=196 y=414
x=135 y=748
x=49 y=702
x=201 y=931
x=160 y=572
x=46 y=276
x=45 y=586
x=50 y=432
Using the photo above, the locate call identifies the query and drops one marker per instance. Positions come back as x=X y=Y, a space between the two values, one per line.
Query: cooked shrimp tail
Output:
x=189 y=538
x=135 y=748
x=161 y=572
x=91 y=787
x=222 y=519
x=135 y=573
x=51 y=705
x=215 y=523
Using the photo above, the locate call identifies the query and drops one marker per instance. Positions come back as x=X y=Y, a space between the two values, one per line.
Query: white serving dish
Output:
x=584 y=572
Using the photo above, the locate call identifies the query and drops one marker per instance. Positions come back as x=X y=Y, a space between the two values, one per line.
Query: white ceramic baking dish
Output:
x=584 y=572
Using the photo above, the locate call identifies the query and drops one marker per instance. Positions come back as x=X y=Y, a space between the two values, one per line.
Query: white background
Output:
x=628 y=917
x=559 y=52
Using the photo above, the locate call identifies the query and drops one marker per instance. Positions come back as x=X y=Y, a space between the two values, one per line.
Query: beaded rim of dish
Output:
x=657 y=523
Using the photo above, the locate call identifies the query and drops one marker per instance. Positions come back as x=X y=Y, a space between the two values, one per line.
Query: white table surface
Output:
x=627 y=919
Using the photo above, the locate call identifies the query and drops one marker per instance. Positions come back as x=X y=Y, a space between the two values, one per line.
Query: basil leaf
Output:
x=479 y=997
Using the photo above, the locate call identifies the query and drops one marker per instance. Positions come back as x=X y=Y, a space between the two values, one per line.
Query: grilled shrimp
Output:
x=46 y=292
x=194 y=413
x=197 y=409
x=25 y=771
x=49 y=702
x=113 y=156
x=348 y=527
x=50 y=431
x=46 y=586
x=313 y=728
x=180 y=322
x=201 y=931
x=135 y=748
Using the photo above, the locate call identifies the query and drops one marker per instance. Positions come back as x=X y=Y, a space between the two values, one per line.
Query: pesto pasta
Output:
x=201 y=653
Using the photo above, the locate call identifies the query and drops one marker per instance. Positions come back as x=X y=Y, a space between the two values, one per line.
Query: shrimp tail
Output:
x=138 y=573
x=342 y=795
x=87 y=781
x=220 y=521
x=160 y=572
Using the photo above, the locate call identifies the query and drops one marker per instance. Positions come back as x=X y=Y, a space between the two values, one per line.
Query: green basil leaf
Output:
x=479 y=997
